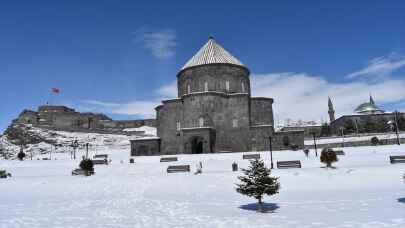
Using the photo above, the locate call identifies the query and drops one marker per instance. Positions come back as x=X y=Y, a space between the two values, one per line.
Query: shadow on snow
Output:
x=401 y=200
x=267 y=207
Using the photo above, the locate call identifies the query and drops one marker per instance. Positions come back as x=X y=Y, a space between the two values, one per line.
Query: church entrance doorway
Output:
x=197 y=145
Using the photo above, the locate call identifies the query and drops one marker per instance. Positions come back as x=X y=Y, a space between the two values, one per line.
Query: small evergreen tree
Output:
x=375 y=141
x=328 y=156
x=87 y=166
x=257 y=182
x=21 y=155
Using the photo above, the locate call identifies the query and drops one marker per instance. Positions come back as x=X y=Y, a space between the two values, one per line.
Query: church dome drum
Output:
x=213 y=69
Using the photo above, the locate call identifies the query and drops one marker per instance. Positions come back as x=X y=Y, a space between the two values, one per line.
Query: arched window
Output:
x=235 y=123
x=178 y=125
x=205 y=86
x=242 y=84
x=201 y=122
x=188 y=89
x=227 y=85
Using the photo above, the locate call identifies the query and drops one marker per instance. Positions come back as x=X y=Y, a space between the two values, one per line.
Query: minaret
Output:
x=371 y=100
x=331 y=111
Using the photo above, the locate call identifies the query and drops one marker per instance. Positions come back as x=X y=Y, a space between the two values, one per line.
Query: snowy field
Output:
x=364 y=191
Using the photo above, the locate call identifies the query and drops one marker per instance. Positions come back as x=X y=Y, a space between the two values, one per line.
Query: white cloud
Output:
x=380 y=67
x=168 y=91
x=161 y=43
x=296 y=95
x=302 y=96
x=143 y=109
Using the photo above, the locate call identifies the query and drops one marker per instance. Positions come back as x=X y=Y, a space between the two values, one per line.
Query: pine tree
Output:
x=257 y=182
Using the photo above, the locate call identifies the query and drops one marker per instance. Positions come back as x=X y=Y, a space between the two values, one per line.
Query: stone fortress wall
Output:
x=67 y=119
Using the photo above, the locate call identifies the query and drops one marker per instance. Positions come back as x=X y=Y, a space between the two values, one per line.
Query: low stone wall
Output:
x=392 y=141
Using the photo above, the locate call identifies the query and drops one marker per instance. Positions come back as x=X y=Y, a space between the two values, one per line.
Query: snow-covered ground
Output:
x=364 y=191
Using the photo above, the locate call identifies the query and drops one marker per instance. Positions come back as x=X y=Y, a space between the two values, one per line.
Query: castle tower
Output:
x=331 y=110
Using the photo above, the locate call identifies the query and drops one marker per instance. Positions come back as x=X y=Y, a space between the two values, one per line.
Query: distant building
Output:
x=367 y=118
x=214 y=111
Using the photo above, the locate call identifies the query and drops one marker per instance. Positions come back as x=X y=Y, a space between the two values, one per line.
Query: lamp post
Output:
x=87 y=150
x=271 y=153
x=75 y=144
x=343 y=136
x=396 y=127
x=316 y=150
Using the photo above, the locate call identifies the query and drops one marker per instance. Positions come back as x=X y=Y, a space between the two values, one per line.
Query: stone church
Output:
x=214 y=111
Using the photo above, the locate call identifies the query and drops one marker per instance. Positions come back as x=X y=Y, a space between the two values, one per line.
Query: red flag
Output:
x=55 y=90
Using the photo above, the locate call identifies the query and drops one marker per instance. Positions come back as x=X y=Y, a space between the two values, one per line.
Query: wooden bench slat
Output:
x=251 y=156
x=397 y=159
x=178 y=168
x=99 y=161
x=100 y=156
x=288 y=164
x=168 y=159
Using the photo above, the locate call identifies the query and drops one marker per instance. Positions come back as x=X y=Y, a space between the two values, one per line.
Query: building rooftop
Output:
x=368 y=108
x=212 y=53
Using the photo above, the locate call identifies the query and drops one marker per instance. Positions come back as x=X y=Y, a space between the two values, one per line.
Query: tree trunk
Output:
x=259 y=205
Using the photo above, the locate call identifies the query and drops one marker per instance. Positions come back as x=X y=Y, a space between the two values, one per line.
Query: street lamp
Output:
x=271 y=153
x=74 y=145
x=343 y=136
x=316 y=150
x=396 y=127
x=394 y=124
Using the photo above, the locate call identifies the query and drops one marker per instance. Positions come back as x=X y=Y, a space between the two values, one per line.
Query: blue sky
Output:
x=121 y=57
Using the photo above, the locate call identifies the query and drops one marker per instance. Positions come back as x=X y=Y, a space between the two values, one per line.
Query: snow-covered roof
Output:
x=212 y=53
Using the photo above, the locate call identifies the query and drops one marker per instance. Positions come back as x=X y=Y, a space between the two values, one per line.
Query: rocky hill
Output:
x=39 y=141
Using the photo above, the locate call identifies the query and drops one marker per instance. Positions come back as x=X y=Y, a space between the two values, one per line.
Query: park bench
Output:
x=103 y=156
x=397 y=159
x=339 y=152
x=100 y=162
x=288 y=164
x=80 y=172
x=178 y=168
x=251 y=156
x=168 y=159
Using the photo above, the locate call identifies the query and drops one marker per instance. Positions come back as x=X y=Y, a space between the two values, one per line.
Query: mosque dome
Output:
x=368 y=108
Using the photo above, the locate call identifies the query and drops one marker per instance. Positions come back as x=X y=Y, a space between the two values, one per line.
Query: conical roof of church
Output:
x=212 y=53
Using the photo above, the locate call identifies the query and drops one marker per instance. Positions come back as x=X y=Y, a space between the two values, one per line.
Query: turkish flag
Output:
x=55 y=90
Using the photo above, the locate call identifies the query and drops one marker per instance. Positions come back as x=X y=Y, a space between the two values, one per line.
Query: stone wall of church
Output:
x=261 y=111
x=168 y=116
x=145 y=147
x=227 y=114
x=213 y=77
x=287 y=140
